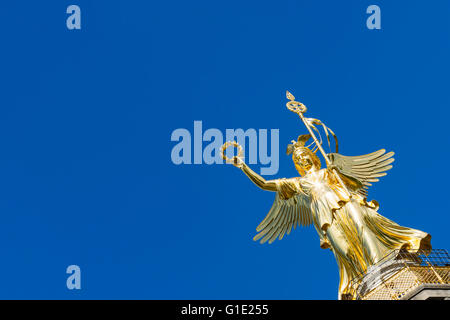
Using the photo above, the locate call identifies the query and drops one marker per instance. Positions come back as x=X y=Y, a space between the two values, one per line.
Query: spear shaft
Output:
x=300 y=108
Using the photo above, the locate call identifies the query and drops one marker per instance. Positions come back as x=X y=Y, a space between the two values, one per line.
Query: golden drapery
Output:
x=352 y=228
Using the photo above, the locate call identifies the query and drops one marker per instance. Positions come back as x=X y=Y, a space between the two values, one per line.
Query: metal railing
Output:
x=397 y=274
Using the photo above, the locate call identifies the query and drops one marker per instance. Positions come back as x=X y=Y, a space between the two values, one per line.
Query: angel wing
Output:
x=362 y=170
x=284 y=215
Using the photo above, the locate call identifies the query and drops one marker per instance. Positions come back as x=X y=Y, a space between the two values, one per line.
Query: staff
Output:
x=299 y=108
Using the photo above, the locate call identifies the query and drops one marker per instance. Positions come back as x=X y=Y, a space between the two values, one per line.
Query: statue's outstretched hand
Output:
x=237 y=161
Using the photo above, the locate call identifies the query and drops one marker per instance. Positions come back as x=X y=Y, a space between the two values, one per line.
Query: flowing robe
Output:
x=358 y=236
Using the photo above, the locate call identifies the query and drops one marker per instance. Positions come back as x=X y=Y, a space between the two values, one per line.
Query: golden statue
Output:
x=334 y=200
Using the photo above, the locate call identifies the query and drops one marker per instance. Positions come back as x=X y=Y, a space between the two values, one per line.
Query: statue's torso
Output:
x=324 y=198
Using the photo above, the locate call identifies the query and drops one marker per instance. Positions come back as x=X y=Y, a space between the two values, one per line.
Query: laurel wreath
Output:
x=231 y=144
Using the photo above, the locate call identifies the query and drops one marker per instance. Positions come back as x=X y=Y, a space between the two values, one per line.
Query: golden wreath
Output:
x=229 y=144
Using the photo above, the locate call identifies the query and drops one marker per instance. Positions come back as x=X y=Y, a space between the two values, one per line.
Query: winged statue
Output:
x=334 y=200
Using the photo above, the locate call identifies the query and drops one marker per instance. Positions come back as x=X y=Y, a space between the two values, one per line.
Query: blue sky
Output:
x=86 y=116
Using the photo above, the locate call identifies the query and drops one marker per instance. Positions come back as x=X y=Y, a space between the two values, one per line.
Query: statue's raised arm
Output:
x=291 y=207
x=238 y=162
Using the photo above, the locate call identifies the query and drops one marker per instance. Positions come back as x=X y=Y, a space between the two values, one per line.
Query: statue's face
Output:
x=302 y=159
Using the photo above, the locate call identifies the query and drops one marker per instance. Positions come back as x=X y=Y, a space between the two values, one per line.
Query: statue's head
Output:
x=305 y=159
